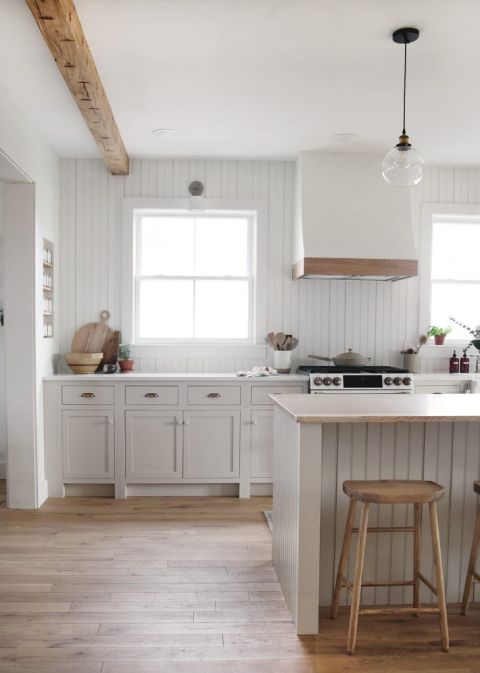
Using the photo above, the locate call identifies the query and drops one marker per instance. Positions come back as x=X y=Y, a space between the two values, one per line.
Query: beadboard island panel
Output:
x=311 y=462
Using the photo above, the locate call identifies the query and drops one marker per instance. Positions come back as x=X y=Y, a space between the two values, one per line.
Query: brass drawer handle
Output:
x=215 y=395
x=151 y=394
x=87 y=395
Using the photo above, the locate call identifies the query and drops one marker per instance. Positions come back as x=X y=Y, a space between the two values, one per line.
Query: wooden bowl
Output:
x=83 y=363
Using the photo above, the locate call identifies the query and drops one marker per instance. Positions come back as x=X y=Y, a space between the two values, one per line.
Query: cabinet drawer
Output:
x=260 y=394
x=151 y=395
x=213 y=395
x=88 y=394
x=435 y=388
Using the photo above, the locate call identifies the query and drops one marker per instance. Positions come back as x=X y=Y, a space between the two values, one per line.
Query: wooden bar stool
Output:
x=472 y=574
x=382 y=493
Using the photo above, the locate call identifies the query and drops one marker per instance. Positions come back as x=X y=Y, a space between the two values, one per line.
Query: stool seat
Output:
x=390 y=492
x=476 y=486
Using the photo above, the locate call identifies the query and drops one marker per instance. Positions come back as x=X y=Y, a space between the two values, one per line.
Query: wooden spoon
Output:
x=271 y=339
x=280 y=340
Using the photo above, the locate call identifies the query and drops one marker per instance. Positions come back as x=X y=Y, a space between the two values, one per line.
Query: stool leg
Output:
x=437 y=555
x=357 y=581
x=347 y=538
x=417 y=540
x=471 y=565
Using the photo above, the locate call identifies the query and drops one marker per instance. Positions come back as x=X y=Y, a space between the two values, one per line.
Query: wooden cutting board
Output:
x=110 y=350
x=91 y=337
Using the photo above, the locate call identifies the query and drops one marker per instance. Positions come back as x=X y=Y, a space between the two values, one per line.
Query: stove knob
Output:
x=397 y=381
x=407 y=381
x=388 y=381
x=337 y=381
x=327 y=381
x=317 y=381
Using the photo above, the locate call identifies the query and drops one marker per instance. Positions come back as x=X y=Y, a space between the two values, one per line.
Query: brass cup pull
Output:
x=87 y=395
x=151 y=395
x=215 y=395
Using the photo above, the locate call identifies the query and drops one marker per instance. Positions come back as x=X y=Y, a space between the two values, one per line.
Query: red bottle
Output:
x=464 y=363
x=454 y=364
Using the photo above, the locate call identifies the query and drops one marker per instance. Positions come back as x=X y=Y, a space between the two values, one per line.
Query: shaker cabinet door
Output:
x=153 y=446
x=261 y=443
x=211 y=444
x=88 y=444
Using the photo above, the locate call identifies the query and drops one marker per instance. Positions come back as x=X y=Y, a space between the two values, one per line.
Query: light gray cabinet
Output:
x=211 y=444
x=261 y=443
x=88 y=444
x=153 y=445
x=452 y=387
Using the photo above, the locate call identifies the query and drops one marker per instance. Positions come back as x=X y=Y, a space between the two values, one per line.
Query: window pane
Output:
x=455 y=251
x=166 y=246
x=221 y=246
x=461 y=301
x=166 y=309
x=221 y=309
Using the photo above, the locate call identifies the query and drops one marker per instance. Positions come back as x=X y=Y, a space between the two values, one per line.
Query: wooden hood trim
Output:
x=347 y=266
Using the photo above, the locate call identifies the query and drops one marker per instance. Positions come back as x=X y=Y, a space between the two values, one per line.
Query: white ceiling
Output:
x=259 y=78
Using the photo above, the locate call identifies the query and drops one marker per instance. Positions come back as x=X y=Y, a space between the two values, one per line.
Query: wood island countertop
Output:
x=372 y=408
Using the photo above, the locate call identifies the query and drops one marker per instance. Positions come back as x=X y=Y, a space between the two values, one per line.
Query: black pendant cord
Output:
x=404 y=86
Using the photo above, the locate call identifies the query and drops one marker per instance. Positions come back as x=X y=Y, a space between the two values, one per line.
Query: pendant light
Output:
x=403 y=166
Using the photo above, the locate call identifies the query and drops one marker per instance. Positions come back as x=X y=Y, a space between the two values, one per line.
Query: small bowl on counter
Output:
x=83 y=363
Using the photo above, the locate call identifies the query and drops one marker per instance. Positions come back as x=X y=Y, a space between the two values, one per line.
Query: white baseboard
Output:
x=43 y=492
x=107 y=490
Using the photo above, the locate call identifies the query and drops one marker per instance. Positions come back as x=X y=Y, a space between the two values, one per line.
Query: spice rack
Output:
x=47 y=286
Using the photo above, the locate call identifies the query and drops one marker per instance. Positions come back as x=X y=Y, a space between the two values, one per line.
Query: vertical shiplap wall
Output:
x=374 y=318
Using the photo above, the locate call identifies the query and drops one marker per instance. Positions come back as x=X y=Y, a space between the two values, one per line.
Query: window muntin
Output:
x=455 y=273
x=194 y=277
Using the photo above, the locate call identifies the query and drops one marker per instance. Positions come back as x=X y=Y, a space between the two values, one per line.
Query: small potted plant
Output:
x=126 y=365
x=439 y=334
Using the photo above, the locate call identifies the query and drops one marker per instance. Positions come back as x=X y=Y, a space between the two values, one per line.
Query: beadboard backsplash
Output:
x=374 y=318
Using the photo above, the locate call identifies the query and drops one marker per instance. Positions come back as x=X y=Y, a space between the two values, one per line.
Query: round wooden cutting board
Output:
x=91 y=338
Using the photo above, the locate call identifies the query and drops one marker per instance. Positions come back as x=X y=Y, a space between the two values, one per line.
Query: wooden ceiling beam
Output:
x=61 y=28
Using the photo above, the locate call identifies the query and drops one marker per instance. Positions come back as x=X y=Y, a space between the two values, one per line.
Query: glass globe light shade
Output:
x=402 y=167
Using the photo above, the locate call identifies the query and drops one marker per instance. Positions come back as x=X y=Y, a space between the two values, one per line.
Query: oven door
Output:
x=358 y=391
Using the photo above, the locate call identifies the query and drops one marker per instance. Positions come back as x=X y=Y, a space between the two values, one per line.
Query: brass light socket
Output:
x=404 y=142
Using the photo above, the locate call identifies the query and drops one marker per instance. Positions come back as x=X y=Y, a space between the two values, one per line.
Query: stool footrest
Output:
x=388 y=529
x=399 y=611
x=476 y=575
x=389 y=583
x=427 y=583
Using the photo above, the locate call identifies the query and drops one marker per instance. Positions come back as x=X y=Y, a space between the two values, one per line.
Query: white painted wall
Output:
x=3 y=414
x=20 y=142
x=328 y=316
x=375 y=318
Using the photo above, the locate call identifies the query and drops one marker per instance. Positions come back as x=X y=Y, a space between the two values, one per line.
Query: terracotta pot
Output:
x=126 y=365
x=439 y=339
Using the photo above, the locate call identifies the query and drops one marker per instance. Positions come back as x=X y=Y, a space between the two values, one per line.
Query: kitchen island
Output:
x=322 y=440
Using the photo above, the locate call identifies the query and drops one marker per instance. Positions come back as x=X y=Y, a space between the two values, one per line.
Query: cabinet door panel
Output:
x=153 y=445
x=211 y=444
x=261 y=443
x=88 y=444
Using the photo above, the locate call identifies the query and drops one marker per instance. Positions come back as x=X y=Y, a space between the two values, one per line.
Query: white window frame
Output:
x=464 y=212
x=256 y=211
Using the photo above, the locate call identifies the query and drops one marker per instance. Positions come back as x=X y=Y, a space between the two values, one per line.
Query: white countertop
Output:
x=138 y=377
x=379 y=408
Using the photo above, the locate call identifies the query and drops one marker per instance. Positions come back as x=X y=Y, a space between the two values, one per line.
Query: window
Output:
x=193 y=277
x=455 y=272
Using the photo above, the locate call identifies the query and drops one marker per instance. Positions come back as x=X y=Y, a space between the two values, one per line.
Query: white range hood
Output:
x=349 y=224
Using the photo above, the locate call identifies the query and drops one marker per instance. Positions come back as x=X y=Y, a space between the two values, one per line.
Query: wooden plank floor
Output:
x=180 y=585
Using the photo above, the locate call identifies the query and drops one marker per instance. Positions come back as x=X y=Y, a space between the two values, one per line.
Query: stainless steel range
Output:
x=366 y=379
